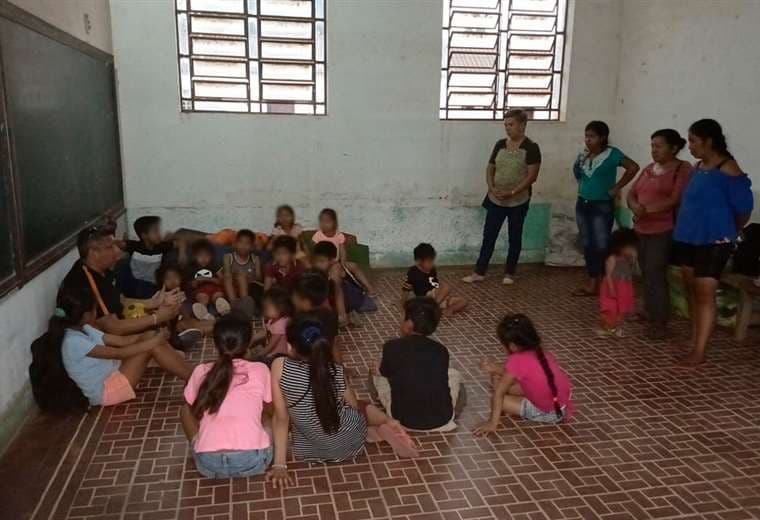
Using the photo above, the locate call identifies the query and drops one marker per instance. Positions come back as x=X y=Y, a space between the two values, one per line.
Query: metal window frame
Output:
x=556 y=70
x=248 y=16
x=28 y=267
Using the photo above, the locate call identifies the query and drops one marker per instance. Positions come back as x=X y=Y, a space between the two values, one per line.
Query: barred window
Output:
x=260 y=56
x=502 y=54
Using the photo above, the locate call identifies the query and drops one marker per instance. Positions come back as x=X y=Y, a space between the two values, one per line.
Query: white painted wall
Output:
x=396 y=173
x=682 y=60
x=24 y=313
x=68 y=15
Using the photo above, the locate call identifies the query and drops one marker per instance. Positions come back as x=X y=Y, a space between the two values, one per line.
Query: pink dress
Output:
x=622 y=301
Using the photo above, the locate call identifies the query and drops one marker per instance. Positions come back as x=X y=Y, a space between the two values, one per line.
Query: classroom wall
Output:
x=396 y=173
x=682 y=60
x=24 y=313
x=69 y=16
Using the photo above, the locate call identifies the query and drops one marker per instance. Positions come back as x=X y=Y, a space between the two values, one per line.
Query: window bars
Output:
x=257 y=56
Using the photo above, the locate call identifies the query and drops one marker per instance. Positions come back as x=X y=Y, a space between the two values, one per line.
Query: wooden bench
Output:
x=747 y=291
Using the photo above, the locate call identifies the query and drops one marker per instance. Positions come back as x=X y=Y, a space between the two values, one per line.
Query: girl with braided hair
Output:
x=531 y=384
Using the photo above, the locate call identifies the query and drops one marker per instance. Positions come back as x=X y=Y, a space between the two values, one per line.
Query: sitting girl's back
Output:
x=225 y=401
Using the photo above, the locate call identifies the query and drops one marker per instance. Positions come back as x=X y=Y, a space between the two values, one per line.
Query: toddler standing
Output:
x=616 y=297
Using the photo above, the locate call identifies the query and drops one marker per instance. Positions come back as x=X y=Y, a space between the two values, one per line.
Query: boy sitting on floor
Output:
x=422 y=280
x=285 y=270
x=242 y=269
x=147 y=254
x=413 y=380
x=204 y=283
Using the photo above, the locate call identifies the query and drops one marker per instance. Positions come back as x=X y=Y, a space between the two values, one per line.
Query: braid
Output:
x=550 y=379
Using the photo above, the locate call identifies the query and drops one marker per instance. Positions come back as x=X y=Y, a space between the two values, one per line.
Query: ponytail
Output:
x=550 y=379
x=518 y=329
x=232 y=338
x=312 y=336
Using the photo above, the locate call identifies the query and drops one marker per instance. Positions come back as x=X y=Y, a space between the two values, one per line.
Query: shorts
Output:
x=116 y=389
x=209 y=289
x=707 y=261
x=226 y=464
x=531 y=412
x=430 y=294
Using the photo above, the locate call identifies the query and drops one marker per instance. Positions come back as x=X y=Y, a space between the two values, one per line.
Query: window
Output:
x=259 y=56
x=502 y=54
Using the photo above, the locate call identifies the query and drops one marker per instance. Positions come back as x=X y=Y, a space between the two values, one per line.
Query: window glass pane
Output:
x=319 y=8
x=280 y=29
x=475 y=20
x=293 y=51
x=287 y=92
x=299 y=8
x=473 y=40
x=226 y=69
x=530 y=62
x=254 y=71
x=220 y=106
x=253 y=38
x=220 y=6
x=181 y=5
x=321 y=83
x=211 y=47
x=184 y=74
x=252 y=7
x=320 y=40
x=286 y=71
x=182 y=30
x=233 y=26
x=221 y=90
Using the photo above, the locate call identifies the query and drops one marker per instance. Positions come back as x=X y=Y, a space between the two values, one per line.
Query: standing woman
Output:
x=595 y=169
x=716 y=205
x=512 y=170
x=654 y=200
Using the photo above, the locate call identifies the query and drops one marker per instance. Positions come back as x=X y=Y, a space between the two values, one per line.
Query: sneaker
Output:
x=201 y=312
x=508 y=279
x=223 y=307
x=473 y=278
x=188 y=338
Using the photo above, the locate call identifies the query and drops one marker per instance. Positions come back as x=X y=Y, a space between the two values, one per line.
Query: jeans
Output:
x=654 y=258
x=595 y=219
x=226 y=464
x=494 y=220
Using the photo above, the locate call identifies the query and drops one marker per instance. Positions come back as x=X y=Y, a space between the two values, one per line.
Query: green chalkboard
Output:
x=64 y=135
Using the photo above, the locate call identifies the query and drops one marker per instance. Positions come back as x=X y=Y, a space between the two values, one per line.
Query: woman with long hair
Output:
x=716 y=205
x=596 y=169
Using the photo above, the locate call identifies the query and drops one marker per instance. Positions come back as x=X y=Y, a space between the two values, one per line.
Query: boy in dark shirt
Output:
x=285 y=270
x=422 y=280
x=413 y=380
x=147 y=255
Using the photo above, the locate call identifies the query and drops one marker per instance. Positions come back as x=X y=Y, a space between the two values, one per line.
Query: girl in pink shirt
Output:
x=285 y=224
x=531 y=384
x=341 y=267
x=277 y=308
x=224 y=403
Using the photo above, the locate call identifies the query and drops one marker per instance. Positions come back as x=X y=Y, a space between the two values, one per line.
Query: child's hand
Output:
x=485 y=429
x=279 y=477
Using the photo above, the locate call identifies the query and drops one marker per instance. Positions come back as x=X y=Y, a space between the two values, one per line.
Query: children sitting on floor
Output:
x=422 y=280
x=147 y=253
x=413 y=380
x=530 y=384
x=286 y=225
x=323 y=260
x=186 y=330
x=204 y=283
x=277 y=308
x=105 y=367
x=616 y=295
x=242 y=269
x=312 y=292
x=285 y=270
x=328 y=232
x=224 y=401
x=309 y=391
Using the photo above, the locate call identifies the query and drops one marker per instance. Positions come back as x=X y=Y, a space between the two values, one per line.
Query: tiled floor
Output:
x=648 y=441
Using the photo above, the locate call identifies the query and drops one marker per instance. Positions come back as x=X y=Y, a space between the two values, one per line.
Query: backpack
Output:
x=53 y=389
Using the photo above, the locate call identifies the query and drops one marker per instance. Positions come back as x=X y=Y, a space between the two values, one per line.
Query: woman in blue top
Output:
x=715 y=206
x=595 y=169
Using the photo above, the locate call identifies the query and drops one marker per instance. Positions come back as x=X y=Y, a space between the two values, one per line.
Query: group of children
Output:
x=288 y=376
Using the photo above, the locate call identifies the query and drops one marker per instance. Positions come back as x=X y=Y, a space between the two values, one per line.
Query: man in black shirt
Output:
x=413 y=380
x=98 y=254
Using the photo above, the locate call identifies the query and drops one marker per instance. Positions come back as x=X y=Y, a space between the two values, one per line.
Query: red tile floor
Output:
x=648 y=441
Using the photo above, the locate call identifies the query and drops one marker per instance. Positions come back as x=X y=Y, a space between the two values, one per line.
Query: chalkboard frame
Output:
x=25 y=269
